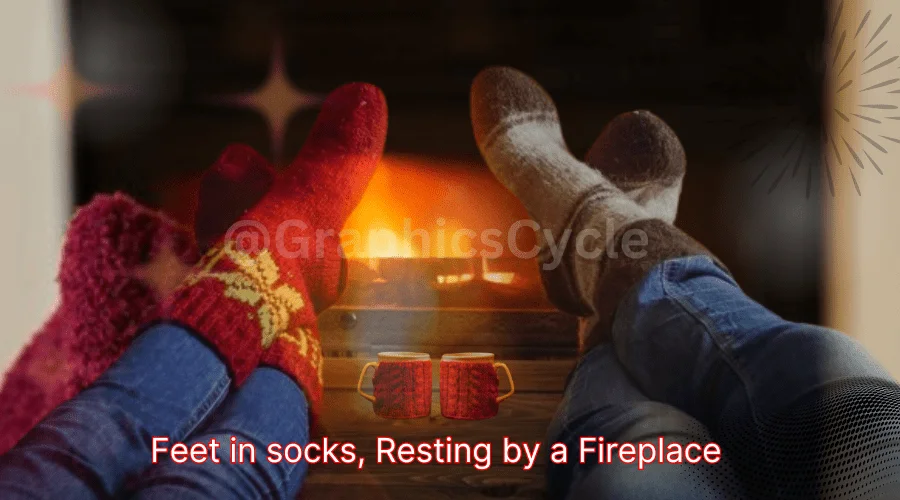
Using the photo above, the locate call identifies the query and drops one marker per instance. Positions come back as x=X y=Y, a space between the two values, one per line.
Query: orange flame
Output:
x=417 y=207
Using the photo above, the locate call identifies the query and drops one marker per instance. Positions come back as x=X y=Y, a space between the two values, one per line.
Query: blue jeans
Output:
x=800 y=411
x=167 y=384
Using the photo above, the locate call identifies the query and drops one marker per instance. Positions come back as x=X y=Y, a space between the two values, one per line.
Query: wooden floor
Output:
x=349 y=417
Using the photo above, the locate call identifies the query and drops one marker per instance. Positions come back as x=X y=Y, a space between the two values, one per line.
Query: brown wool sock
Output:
x=641 y=155
x=518 y=132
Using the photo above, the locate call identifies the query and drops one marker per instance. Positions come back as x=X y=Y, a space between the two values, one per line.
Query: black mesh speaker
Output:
x=840 y=442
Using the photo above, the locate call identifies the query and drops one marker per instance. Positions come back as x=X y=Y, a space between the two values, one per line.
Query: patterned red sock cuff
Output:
x=227 y=324
x=240 y=302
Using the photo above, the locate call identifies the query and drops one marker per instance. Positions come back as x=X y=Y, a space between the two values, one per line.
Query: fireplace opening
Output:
x=440 y=233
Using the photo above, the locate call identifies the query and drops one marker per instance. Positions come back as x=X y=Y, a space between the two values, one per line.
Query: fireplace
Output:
x=441 y=259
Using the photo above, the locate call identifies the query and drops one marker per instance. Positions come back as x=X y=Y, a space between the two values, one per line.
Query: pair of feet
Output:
x=124 y=265
x=628 y=186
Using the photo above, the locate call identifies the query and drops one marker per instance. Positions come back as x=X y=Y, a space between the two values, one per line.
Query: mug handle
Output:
x=362 y=376
x=512 y=385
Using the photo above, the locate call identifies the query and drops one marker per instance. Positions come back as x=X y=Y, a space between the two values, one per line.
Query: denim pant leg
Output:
x=601 y=400
x=268 y=408
x=802 y=410
x=166 y=384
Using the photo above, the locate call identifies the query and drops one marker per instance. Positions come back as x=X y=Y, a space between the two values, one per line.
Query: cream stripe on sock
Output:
x=660 y=202
x=530 y=158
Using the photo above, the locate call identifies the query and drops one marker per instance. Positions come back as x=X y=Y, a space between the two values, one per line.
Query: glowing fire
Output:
x=499 y=278
x=416 y=207
x=452 y=279
x=382 y=243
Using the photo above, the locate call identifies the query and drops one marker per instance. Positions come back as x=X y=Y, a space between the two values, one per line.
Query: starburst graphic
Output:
x=67 y=89
x=875 y=84
x=836 y=128
x=277 y=99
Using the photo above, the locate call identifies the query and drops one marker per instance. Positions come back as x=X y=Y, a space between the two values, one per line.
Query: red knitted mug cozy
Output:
x=402 y=389
x=469 y=390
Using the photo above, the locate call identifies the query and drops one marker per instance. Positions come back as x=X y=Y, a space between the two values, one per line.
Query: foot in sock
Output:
x=251 y=298
x=37 y=381
x=104 y=299
x=119 y=259
x=641 y=155
x=118 y=262
x=518 y=132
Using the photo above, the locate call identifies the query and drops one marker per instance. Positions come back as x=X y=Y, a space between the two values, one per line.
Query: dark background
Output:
x=725 y=75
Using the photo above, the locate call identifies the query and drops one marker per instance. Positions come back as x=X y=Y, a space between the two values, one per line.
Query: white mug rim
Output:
x=403 y=356
x=468 y=356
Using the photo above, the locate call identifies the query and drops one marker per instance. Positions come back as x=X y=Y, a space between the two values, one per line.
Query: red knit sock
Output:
x=108 y=290
x=248 y=295
x=38 y=381
x=103 y=284
x=234 y=184
x=102 y=304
